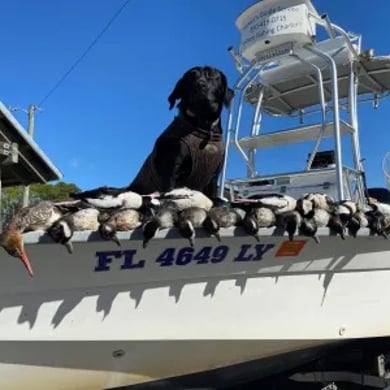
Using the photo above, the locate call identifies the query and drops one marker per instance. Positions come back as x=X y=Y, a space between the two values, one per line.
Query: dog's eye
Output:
x=210 y=74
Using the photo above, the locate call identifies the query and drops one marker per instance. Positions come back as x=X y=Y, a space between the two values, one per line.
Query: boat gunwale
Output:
x=41 y=237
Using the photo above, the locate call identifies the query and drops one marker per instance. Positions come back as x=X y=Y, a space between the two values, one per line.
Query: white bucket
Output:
x=271 y=23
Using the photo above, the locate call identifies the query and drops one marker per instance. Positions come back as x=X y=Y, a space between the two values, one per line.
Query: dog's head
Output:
x=203 y=91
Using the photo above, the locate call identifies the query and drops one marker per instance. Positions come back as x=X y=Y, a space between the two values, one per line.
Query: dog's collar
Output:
x=211 y=134
x=190 y=114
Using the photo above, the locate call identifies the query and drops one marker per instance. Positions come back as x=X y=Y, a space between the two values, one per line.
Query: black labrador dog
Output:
x=190 y=151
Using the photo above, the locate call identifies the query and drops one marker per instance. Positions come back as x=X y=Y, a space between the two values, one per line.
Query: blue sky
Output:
x=101 y=123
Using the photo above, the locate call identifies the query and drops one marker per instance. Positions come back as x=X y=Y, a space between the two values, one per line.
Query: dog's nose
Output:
x=202 y=82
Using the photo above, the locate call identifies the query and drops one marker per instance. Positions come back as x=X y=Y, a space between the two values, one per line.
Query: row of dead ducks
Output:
x=109 y=210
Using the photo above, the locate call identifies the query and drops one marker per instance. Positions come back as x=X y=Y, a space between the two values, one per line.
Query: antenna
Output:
x=237 y=59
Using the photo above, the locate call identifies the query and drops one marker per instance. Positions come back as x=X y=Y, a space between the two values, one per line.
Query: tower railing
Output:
x=294 y=57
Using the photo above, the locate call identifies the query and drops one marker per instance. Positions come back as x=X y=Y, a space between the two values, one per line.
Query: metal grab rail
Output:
x=229 y=128
x=323 y=109
x=336 y=119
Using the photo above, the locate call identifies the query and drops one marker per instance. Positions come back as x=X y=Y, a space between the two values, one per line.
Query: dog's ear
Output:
x=177 y=93
x=229 y=94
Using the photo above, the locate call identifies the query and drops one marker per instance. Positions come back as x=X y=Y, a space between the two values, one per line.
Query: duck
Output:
x=222 y=217
x=61 y=231
x=120 y=221
x=320 y=200
x=314 y=200
x=378 y=223
x=358 y=220
x=189 y=219
x=185 y=197
x=278 y=203
x=309 y=228
x=346 y=209
x=321 y=218
x=383 y=208
x=305 y=207
x=257 y=217
x=165 y=217
x=380 y=217
x=110 y=198
x=374 y=215
x=290 y=221
x=335 y=224
x=38 y=217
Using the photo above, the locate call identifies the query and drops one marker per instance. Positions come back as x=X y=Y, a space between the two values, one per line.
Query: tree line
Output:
x=12 y=197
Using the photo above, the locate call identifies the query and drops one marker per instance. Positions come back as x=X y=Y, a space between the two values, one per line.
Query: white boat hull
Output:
x=107 y=317
x=91 y=365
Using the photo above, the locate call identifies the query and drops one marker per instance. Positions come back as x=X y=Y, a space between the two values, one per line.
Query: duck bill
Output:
x=316 y=239
x=69 y=247
x=116 y=240
x=23 y=257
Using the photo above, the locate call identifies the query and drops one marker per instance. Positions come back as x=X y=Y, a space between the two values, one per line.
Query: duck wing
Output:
x=185 y=198
x=177 y=193
x=37 y=217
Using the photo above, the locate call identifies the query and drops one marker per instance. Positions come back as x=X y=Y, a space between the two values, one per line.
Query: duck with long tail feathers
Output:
x=98 y=193
x=110 y=198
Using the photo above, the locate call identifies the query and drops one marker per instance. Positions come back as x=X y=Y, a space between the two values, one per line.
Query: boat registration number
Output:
x=130 y=259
